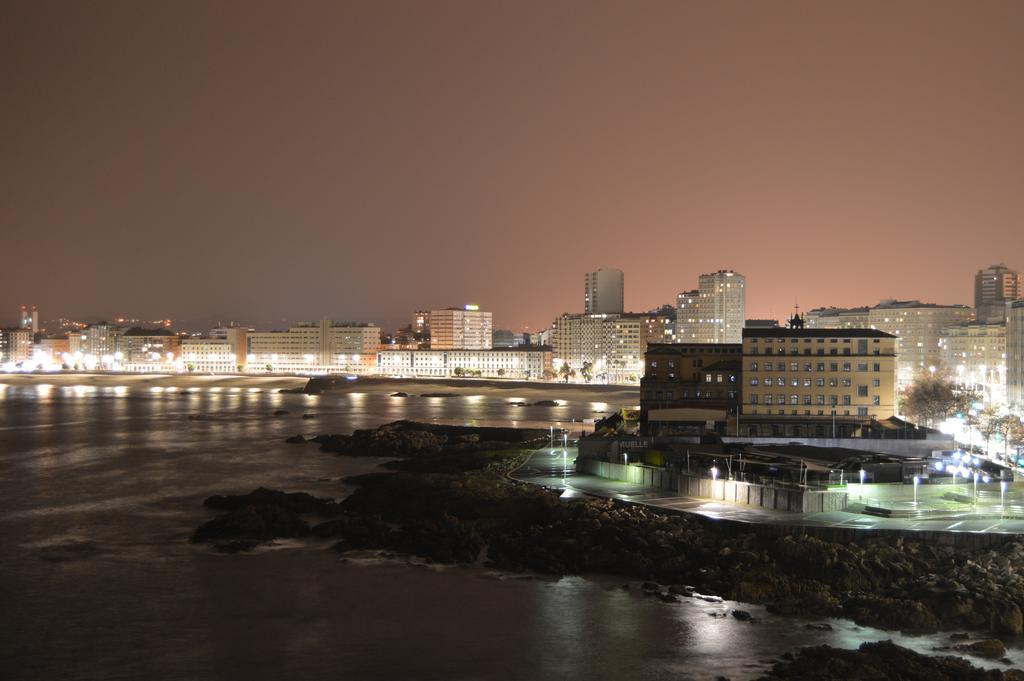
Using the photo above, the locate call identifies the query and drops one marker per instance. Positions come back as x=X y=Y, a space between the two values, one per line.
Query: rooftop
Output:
x=815 y=333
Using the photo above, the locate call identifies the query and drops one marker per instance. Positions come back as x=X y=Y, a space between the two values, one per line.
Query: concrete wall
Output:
x=603 y=446
x=729 y=491
x=890 y=447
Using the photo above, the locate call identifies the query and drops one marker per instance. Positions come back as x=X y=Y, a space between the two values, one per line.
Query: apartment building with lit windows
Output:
x=316 y=347
x=974 y=355
x=816 y=382
x=919 y=327
x=461 y=328
x=611 y=345
x=715 y=312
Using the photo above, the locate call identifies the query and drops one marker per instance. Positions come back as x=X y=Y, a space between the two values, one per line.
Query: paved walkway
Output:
x=553 y=468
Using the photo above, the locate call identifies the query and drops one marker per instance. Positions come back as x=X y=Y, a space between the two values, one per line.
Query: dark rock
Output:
x=280 y=412
x=881 y=661
x=296 y=440
x=545 y=403
x=252 y=524
x=310 y=416
x=990 y=647
x=742 y=615
x=399 y=394
x=818 y=627
x=1006 y=618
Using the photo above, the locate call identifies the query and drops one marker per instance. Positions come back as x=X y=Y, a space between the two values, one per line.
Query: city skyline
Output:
x=220 y=180
x=194 y=322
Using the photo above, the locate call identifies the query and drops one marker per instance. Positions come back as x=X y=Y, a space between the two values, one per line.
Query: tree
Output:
x=565 y=371
x=459 y=372
x=1011 y=427
x=501 y=373
x=934 y=398
x=587 y=371
x=989 y=423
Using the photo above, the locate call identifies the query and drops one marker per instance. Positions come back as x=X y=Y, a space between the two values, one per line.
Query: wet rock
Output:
x=310 y=416
x=990 y=647
x=296 y=440
x=742 y=615
x=280 y=412
x=399 y=394
x=252 y=524
x=667 y=598
x=545 y=403
x=881 y=661
x=818 y=627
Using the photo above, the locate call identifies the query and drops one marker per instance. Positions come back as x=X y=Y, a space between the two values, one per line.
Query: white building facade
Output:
x=512 y=363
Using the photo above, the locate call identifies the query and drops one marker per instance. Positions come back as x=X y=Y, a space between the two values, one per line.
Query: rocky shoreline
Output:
x=448 y=499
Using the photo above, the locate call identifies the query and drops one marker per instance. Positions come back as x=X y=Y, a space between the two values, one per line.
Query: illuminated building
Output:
x=610 y=346
x=149 y=349
x=533 y=363
x=54 y=349
x=461 y=328
x=1015 y=355
x=975 y=357
x=15 y=345
x=994 y=287
x=816 y=382
x=660 y=326
x=918 y=326
x=211 y=355
x=715 y=312
x=316 y=347
x=603 y=291
x=30 y=318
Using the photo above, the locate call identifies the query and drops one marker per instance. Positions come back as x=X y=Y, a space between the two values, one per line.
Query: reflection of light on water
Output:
x=44 y=389
x=171 y=389
x=599 y=406
x=120 y=390
x=82 y=389
x=215 y=389
x=236 y=390
x=156 y=389
x=254 y=390
x=474 y=398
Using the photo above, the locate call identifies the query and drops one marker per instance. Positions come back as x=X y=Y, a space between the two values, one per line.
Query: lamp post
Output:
x=975 y=490
x=862 y=474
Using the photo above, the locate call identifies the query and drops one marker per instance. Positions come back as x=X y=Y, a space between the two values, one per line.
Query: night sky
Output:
x=290 y=160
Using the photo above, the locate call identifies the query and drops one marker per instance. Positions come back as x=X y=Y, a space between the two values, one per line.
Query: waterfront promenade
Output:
x=554 y=468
